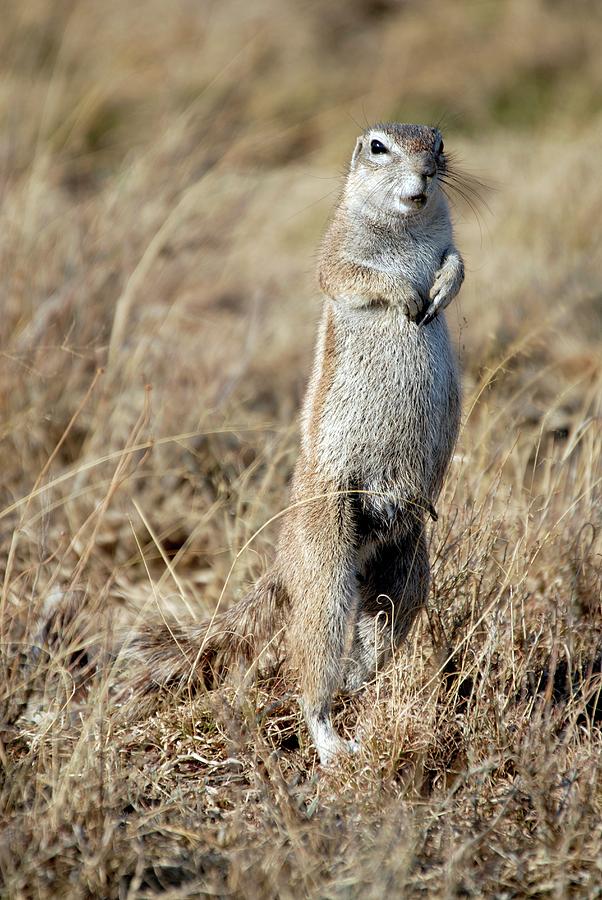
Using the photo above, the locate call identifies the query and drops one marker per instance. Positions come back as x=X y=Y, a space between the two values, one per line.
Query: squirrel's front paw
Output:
x=446 y=285
x=412 y=304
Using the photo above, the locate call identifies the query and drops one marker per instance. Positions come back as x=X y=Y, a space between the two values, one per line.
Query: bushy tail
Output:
x=175 y=655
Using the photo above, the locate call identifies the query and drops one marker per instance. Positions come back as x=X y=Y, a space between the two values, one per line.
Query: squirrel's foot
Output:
x=329 y=755
x=327 y=742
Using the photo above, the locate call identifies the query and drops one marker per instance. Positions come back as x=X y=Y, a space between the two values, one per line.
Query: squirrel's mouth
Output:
x=416 y=200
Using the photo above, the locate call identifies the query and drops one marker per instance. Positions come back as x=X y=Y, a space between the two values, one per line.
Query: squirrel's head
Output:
x=394 y=170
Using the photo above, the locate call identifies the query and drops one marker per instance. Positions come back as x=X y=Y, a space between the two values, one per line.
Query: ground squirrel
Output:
x=379 y=423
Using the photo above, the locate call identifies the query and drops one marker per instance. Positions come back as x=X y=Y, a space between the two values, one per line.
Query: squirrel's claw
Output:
x=429 y=311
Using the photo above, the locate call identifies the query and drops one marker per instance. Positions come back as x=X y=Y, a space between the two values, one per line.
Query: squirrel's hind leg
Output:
x=317 y=553
x=393 y=586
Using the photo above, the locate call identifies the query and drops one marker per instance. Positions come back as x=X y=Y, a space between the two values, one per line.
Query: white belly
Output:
x=385 y=414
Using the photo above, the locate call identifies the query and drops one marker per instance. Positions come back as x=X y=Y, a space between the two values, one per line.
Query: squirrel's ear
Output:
x=358 y=149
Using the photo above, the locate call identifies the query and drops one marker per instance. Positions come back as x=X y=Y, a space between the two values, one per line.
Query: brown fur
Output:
x=328 y=362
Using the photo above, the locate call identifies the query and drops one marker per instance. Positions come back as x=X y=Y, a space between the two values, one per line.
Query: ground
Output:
x=166 y=172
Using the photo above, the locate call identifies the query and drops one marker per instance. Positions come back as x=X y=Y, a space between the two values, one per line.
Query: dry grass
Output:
x=166 y=171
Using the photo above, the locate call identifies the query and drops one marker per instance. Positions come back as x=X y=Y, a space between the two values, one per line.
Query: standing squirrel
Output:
x=378 y=428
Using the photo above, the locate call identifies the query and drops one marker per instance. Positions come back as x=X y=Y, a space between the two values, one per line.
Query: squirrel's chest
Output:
x=417 y=261
x=421 y=272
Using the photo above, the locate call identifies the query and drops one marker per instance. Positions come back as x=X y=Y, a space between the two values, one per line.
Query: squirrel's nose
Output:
x=427 y=170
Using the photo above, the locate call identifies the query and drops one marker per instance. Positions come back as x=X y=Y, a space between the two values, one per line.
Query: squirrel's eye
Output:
x=378 y=147
x=440 y=148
